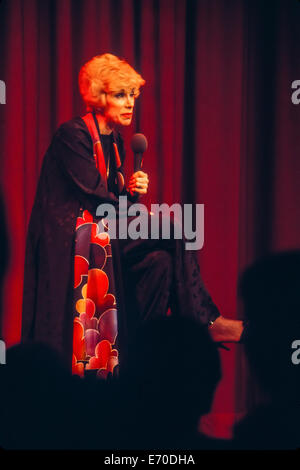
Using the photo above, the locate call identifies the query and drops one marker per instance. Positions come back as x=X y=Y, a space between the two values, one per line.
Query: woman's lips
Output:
x=127 y=115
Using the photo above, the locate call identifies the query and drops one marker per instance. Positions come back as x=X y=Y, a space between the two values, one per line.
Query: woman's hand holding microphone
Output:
x=138 y=183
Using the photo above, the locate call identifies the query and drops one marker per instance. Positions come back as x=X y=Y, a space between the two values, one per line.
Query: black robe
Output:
x=69 y=180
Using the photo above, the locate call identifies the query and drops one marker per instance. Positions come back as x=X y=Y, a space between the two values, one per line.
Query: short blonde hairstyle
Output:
x=107 y=73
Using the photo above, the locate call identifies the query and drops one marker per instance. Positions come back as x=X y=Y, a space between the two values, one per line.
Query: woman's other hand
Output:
x=226 y=330
x=138 y=183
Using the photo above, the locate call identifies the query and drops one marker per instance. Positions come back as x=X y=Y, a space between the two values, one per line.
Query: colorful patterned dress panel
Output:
x=95 y=327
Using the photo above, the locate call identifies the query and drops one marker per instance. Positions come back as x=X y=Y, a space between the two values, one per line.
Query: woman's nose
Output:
x=130 y=101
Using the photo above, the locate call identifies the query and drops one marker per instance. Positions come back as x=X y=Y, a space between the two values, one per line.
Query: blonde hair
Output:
x=107 y=73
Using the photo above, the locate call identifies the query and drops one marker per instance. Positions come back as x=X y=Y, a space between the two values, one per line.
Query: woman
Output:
x=69 y=271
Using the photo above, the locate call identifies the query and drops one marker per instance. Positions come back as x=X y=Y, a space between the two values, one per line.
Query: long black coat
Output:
x=68 y=181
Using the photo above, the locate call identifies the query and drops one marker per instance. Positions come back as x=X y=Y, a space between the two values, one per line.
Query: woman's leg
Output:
x=147 y=284
x=161 y=272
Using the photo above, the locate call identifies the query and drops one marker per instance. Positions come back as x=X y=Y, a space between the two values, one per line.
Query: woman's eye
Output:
x=120 y=95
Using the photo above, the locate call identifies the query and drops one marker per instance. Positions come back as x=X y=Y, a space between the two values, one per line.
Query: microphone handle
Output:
x=138 y=161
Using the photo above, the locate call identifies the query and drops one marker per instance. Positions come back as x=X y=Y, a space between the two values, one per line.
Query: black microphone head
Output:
x=139 y=143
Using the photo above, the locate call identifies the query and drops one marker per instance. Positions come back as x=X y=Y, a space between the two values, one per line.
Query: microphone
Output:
x=139 y=145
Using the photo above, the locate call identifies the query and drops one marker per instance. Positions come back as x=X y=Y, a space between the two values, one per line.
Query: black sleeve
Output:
x=72 y=148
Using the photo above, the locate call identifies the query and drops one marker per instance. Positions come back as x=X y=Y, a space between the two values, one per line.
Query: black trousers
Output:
x=161 y=273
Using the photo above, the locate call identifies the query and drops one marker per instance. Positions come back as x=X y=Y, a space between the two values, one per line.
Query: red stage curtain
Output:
x=216 y=110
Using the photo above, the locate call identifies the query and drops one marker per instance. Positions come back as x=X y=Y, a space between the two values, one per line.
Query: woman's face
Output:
x=119 y=108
